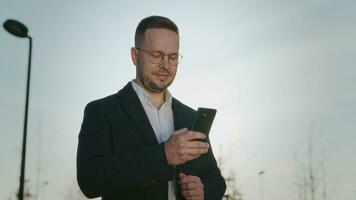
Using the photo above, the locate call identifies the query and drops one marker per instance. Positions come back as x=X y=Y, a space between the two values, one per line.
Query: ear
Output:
x=134 y=55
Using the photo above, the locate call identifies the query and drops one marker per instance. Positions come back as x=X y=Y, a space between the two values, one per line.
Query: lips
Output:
x=161 y=75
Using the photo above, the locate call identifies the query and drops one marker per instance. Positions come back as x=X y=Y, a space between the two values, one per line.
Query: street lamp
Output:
x=261 y=184
x=19 y=30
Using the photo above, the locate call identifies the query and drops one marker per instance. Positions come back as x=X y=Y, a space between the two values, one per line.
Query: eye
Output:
x=156 y=54
x=173 y=56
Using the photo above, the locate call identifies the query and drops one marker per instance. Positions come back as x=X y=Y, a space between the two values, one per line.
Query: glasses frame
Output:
x=150 y=52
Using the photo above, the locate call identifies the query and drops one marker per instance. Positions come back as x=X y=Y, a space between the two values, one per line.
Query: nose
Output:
x=164 y=61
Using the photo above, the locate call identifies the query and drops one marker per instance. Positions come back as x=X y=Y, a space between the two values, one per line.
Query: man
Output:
x=136 y=144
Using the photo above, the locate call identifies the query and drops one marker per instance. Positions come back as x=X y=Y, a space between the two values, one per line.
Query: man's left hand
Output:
x=192 y=187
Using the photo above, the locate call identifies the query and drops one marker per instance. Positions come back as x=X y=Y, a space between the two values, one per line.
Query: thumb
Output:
x=180 y=131
x=181 y=175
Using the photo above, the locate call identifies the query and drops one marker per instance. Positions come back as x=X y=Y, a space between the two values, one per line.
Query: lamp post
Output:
x=261 y=184
x=19 y=30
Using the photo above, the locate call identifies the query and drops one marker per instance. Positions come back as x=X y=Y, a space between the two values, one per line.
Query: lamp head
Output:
x=16 y=28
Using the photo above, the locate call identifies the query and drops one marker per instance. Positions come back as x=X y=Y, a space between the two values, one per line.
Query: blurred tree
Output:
x=232 y=192
x=311 y=174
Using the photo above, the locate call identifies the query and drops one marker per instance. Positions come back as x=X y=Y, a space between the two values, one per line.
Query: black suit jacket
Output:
x=119 y=157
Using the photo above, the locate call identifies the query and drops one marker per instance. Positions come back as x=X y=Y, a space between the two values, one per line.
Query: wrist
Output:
x=166 y=153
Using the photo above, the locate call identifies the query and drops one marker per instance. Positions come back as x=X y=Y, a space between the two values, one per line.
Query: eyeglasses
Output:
x=157 y=56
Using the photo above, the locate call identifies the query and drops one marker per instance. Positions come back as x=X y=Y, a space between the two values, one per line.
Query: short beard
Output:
x=151 y=86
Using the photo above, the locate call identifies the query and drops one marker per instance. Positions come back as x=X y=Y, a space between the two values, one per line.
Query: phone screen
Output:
x=204 y=120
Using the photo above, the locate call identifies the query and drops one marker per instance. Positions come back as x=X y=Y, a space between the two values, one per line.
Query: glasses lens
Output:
x=174 y=59
x=156 y=57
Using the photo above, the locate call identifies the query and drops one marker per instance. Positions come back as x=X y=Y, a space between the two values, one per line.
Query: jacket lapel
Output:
x=178 y=115
x=132 y=105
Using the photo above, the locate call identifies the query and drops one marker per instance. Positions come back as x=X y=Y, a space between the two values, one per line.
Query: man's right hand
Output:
x=183 y=146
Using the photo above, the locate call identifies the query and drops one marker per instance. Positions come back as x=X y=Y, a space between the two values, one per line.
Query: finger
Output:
x=195 y=198
x=181 y=175
x=189 y=178
x=183 y=180
x=195 y=152
x=192 y=193
x=180 y=131
x=197 y=144
x=190 y=186
x=194 y=135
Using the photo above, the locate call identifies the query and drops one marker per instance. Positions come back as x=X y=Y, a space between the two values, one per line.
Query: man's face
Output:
x=156 y=77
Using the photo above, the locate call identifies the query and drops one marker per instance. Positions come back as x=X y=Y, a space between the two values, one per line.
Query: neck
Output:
x=157 y=98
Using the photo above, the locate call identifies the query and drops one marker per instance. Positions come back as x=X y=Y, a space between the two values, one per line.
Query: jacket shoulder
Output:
x=104 y=102
x=111 y=100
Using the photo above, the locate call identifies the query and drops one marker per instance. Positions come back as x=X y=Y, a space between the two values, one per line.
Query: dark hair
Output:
x=153 y=22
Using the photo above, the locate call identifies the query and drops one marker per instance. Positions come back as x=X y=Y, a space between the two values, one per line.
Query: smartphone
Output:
x=204 y=120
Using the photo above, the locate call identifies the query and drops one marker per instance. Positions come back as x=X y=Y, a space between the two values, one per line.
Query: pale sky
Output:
x=277 y=71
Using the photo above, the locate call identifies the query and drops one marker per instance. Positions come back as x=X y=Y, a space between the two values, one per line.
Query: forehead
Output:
x=161 y=39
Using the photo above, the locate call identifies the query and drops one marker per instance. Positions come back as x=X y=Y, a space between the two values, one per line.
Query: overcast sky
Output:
x=277 y=71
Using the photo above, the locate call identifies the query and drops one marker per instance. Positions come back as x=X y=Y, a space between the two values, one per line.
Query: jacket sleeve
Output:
x=100 y=172
x=213 y=181
x=205 y=167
